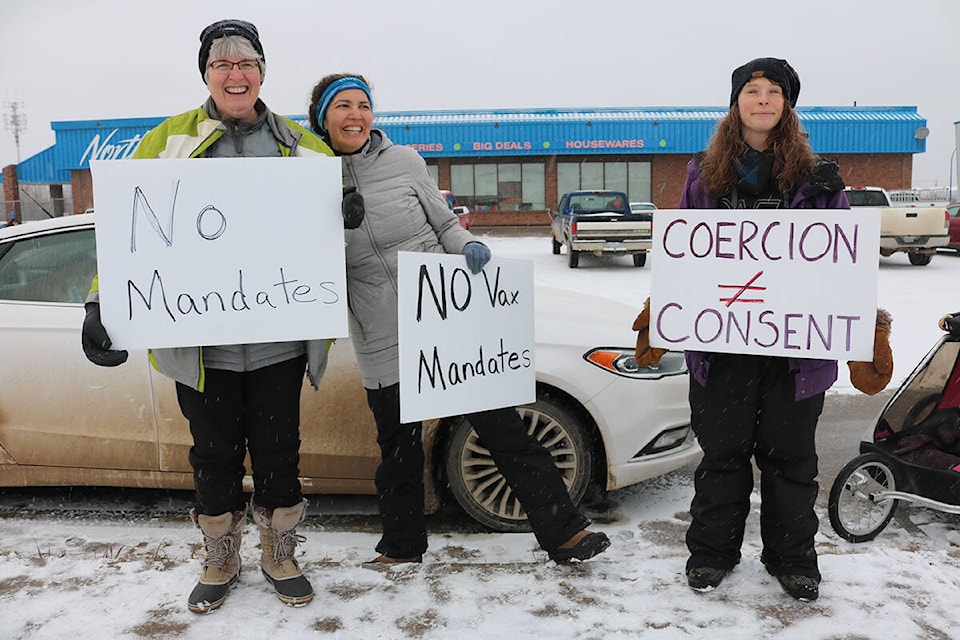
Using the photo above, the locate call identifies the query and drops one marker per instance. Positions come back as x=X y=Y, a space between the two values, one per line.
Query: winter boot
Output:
x=278 y=541
x=221 y=564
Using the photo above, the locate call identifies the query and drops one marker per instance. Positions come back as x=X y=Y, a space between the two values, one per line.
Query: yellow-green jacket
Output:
x=189 y=135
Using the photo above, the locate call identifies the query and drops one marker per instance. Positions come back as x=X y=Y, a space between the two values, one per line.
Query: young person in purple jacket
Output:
x=753 y=406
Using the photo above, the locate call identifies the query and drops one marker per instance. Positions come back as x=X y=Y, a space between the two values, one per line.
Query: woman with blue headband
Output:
x=404 y=211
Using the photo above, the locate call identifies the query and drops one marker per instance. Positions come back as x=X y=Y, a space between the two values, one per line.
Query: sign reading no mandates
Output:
x=220 y=251
x=793 y=282
x=466 y=341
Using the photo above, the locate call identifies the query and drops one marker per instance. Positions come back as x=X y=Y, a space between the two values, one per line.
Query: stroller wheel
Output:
x=854 y=513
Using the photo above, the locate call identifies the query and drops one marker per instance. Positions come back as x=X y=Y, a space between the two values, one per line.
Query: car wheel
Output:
x=480 y=489
x=639 y=259
x=573 y=258
x=556 y=246
x=920 y=259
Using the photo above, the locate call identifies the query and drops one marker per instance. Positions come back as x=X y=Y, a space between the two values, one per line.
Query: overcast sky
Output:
x=70 y=60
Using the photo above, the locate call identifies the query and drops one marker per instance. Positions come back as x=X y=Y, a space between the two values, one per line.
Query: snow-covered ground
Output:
x=87 y=578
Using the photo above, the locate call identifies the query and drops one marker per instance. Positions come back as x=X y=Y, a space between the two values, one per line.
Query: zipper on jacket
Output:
x=373 y=240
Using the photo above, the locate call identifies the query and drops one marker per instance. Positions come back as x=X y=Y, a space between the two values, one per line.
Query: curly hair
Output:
x=793 y=158
x=318 y=90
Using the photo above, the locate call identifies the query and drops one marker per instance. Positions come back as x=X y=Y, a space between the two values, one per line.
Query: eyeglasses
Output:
x=225 y=66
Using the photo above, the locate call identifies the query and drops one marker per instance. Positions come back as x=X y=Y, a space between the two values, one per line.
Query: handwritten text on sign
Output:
x=220 y=251
x=799 y=283
x=466 y=341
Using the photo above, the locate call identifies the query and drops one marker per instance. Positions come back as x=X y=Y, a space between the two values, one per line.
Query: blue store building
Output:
x=510 y=166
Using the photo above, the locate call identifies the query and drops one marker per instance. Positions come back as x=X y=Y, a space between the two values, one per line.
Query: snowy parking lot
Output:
x=93 y=577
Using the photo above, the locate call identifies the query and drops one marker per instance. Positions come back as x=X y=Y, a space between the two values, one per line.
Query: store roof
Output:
x=476 y=133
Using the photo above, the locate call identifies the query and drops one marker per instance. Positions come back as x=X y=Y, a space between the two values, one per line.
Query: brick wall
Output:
x=667 y=176
x=82 y=187
x=510 y=219
x=443 y=173
x=11 y=193
x=890 y=171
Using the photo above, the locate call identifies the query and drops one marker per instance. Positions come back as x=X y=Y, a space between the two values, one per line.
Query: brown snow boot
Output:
x=221 y=563
x=278 y=542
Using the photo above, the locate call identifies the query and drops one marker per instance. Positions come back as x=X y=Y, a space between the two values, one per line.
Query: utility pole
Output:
x=15 y=121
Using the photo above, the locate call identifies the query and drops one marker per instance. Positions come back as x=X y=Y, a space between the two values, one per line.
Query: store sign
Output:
x=110 y=149
x=111 y=146
x=604 y=144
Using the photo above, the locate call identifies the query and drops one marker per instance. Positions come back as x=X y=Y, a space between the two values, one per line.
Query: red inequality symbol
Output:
x=741 y=289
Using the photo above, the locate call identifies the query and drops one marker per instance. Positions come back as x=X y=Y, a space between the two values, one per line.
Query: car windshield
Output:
x=642 y=206
x=49 y=268
x=866 y=199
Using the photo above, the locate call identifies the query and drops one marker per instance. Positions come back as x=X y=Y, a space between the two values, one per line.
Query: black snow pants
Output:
x=527 y=467
x=256 y=411
x=748 y=410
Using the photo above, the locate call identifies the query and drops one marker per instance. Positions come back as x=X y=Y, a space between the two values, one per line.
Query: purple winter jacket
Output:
x=813 y=376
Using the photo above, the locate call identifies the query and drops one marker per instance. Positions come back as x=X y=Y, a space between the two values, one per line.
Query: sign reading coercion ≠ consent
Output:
x=791 y=282
x=466 y=341
x=220 y=251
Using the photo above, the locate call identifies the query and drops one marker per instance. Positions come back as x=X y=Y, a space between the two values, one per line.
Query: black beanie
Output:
x=774 y=70
x=225 y=28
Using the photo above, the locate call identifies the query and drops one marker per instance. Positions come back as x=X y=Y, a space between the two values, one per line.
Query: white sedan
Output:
x=64 y=421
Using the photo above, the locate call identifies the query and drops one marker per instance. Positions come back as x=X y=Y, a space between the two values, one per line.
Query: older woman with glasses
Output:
x=244 y=397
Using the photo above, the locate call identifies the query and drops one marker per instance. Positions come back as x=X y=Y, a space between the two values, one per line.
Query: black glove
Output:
x=352 y=208
x=96 y=342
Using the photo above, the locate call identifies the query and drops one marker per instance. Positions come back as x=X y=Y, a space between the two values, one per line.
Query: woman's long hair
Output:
x=793 y=159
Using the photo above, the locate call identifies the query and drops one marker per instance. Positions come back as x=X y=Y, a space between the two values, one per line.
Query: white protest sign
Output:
x=466 y=341
x=220 y=251
x=792 y=282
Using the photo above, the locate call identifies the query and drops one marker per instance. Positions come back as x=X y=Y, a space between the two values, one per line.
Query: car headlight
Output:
x=621 y=361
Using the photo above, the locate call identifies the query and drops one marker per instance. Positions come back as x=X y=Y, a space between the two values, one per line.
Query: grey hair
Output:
x=235 y=46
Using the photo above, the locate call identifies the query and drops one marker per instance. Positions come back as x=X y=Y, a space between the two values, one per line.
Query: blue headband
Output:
x=335 y=87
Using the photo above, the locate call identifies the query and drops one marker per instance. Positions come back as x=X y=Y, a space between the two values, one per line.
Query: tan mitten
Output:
x=645 y=355
x=872 y=377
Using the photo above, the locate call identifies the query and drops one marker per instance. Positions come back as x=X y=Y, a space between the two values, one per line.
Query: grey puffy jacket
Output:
x=404 y=212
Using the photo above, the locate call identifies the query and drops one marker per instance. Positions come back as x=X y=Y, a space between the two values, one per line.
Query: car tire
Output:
x=482 y=492
x=920 y=259
x=639 y=259
x=573 y=258
x=556 y=246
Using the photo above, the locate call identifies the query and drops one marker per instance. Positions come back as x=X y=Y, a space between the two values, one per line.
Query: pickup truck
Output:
x=917 y=231
x=601 y=223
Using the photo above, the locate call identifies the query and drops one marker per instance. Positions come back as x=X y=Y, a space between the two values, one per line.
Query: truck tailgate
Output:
x=913 y=221
x=586 y=230
x=637 y=225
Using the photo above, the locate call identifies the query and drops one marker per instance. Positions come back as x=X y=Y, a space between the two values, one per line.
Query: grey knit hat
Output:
x=225 y=28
